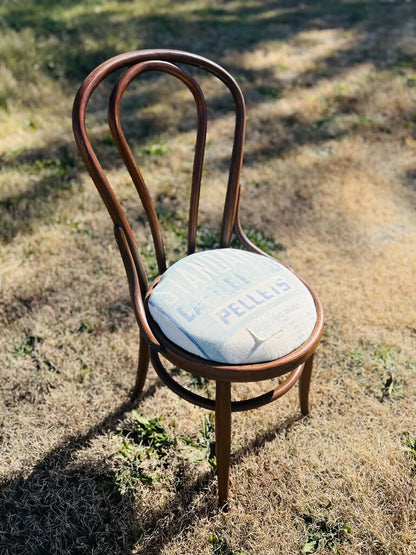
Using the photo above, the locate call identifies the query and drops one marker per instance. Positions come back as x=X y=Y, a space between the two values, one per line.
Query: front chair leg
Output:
x=304 y=386
x=142 y=367
x=223 y=439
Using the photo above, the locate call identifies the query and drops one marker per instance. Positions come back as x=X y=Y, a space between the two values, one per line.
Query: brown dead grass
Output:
x=329 y=174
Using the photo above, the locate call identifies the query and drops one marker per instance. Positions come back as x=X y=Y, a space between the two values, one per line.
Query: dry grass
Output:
x=330 y=175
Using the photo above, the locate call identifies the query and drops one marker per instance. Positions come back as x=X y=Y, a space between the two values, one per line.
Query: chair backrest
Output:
x=135 y=64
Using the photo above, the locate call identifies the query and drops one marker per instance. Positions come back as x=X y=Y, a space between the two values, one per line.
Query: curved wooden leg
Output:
x=304 y=385
x=142 y=367
x=223 y=439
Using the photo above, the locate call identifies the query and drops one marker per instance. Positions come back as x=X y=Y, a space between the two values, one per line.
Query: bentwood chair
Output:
x=228 y=315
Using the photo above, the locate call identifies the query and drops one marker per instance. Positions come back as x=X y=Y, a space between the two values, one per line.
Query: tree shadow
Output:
x=56 y=167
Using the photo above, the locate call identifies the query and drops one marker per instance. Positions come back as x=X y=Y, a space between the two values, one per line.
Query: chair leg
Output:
x=142 y=367
x=304 y=385
x=223 y=439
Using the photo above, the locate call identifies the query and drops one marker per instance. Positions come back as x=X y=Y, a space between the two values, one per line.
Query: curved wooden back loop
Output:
x=128 y=158
x=93 y=165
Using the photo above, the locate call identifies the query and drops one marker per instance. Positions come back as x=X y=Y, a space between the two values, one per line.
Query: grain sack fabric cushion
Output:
x=233 y=306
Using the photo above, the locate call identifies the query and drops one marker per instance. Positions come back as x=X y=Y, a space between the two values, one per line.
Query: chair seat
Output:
x=232 y=306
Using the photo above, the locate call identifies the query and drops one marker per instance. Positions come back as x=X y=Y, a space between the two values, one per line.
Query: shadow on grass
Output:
x=52 y=170
x=38 y=514
x=62 y=509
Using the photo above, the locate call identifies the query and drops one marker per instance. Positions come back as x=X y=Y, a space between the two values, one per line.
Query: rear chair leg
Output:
x=223 y=439
x=304 y=385
x=142 y=367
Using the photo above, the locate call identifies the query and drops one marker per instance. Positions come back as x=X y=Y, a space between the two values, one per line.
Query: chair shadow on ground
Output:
x=38 y=513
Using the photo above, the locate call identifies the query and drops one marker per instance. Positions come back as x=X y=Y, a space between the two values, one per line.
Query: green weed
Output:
x=84 y=371
x=411 y=124
x=149 y=260
x=405 y=62
x=266 y=243
x=410 y=447
x=270 y=92
x=128 y=472
x=80 y=229
x=324 y=122
x=85 y=327
x=204 y=443
x=30 y=124
x=144 y=443
x=198 y=383
x=28 y=347
x=60 y=167
x=219 y=546
x=108 y=140
x=147 y=433
x=210 y=239
x=411 y=81
x=174 y=226
x=380 y=369
x=322 y=534
x=207 y=238
x=363 y=121
x=157 y=149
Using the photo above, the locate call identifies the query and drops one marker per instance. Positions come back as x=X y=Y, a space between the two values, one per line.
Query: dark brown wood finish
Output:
x=223 y=439
x=153 y=343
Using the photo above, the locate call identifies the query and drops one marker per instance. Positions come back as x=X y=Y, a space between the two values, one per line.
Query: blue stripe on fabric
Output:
x=185 y=333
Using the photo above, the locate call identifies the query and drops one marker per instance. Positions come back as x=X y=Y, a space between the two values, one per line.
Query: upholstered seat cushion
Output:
x=233 y=306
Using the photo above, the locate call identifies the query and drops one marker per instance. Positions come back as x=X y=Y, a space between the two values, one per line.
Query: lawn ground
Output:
x=329 y=187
